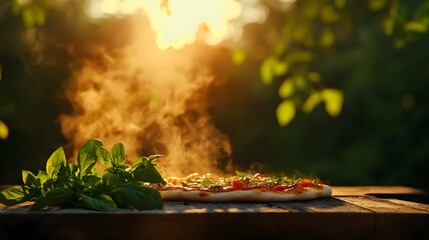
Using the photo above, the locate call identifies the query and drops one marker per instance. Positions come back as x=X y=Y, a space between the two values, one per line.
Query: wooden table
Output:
x=352 y=213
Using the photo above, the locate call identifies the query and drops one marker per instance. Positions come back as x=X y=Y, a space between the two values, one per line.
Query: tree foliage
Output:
x=32 y=12
x=310 y=29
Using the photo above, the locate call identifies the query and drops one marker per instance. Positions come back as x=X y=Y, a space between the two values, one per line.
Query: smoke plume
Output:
x=153 y=101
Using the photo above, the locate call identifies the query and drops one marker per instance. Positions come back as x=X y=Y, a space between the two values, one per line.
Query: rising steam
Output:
x=153 y=101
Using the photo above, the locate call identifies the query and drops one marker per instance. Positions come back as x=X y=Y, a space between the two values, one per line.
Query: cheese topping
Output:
x=240 y=181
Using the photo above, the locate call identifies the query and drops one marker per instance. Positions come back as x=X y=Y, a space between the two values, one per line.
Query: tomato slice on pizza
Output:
x=242 y=188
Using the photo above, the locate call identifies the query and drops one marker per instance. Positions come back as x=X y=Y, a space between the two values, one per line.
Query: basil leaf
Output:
x=147 y=172
x=122 y=166
x=73 y=169
x=207 y=182
x=91 y=180
x=112 y=180
x=127 y=176
x=243 y=174
x=49 y=184
x=118 y=154
x=64 y=177
x=55 y=197
x=137 y=163
x=55 y=161
x=104 y=157
x=42 y=176
x=99 y=203
x=30 y=179
x=286 y=180
x=154 y=157
x=12 y=196
x=63 y=172
x=87 y=156
x=137 y=196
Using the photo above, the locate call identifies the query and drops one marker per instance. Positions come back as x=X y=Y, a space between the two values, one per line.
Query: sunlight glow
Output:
x=177 y=22
x=182 y=21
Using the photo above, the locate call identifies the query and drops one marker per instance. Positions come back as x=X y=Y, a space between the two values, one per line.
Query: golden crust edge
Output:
x=251 y=195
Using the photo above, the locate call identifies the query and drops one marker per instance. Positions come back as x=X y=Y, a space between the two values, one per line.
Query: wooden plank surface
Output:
x=424 y=207
x=378 y=205
x=350 y=214
x=326 y=205
x=179 y=220
x=369 y=190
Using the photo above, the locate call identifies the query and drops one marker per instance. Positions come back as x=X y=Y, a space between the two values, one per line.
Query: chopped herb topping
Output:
x=212 y=182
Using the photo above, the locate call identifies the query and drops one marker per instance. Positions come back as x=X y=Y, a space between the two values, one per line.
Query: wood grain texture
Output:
x=420 y=206
x=368 y=190
x=378 y=205
x=342 y=217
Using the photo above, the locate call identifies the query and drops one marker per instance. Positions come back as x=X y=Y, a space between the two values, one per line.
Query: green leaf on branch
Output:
x=104 y=157
x=42 y=176
x=55 y=197
x=91 y=180
x=149 y=174
x=28 y=17
x=87 y=156
x=73 y=169
x=272 y=67
x=12 y=196
x=118 y=154
x=98 y=203
x=286 y=88
x=285 y=112
x=29 y=179
x=77 y=185
x=280 y=68
x=415 y=26
x=266 y=70
x=311 y=102
x=55 y=162
x=4 y=131
x=152 y=158
x=32 y=14
x=333 y=101
x=137 y=196
x=112 y=180
x=144 y=170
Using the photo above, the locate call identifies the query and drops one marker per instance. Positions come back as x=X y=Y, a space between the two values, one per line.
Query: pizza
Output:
x=242 y=187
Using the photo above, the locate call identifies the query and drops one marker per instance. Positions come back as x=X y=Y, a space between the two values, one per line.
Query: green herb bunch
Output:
x=79 y=185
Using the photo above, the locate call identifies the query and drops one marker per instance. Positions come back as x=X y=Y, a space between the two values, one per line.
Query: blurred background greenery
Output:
x=371 y=55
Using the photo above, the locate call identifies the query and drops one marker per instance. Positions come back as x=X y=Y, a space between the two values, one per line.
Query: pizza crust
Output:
x=246 y=195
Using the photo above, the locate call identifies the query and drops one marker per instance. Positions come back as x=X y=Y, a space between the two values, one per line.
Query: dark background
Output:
x=381 y=136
